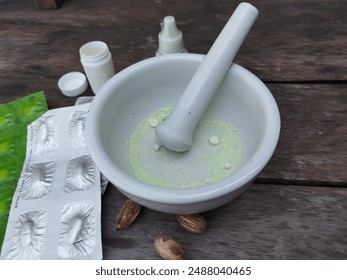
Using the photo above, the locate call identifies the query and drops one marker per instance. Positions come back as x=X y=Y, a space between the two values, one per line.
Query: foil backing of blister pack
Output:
x=56 y=209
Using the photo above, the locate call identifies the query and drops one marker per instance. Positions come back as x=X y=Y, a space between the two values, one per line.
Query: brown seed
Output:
x=127 y=214
x=194 y=223
x=168 y=248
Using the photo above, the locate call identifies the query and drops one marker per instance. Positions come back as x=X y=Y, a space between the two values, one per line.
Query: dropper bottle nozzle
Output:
x=170 y=38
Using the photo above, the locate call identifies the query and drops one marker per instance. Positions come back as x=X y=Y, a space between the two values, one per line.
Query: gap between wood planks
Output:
x=291 y=182
x=310 y=82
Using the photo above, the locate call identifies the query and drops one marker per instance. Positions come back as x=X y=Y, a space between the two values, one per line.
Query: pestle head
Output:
x=176 y=132
x=173 y=141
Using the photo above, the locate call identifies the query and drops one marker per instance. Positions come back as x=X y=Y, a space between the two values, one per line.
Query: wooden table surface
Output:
x=297 y=207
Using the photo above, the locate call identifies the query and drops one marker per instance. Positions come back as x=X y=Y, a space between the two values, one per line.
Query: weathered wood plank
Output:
x=266 y=222
x=313 y=144
x=291 y=40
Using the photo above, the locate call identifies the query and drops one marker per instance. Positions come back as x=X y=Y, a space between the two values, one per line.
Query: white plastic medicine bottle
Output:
x=97 y=62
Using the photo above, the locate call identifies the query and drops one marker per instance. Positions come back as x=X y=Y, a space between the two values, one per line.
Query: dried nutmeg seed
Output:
x=127 y=214
x=168 y=248
x=194 y=223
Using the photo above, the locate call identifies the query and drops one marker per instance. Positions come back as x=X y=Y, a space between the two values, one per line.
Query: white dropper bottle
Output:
x=170 y=38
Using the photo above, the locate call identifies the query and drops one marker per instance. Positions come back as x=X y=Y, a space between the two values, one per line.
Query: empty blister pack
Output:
x=56 y=209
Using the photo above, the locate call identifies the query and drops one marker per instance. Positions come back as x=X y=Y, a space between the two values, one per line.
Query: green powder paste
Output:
x=202 y=164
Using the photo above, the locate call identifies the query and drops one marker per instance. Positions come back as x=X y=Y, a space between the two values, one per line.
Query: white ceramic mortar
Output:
x=139 y=90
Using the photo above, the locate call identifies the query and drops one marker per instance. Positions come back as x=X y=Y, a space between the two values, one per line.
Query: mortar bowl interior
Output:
x=136 y=92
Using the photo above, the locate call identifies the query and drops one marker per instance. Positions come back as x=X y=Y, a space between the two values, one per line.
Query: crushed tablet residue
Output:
x=210 y=159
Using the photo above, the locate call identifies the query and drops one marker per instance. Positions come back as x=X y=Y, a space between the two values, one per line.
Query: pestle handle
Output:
x=176 y=131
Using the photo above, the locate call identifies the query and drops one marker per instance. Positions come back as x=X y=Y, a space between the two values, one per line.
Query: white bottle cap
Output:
x=170 y=38
x=73 y=84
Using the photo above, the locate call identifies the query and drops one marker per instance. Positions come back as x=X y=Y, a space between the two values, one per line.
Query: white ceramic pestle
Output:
x=176 y=132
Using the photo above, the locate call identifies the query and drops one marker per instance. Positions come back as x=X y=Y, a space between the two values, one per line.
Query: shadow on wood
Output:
x=48 y=4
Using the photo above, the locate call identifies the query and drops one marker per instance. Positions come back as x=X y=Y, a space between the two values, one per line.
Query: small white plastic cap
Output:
x=170 y=38
x=73 y=84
